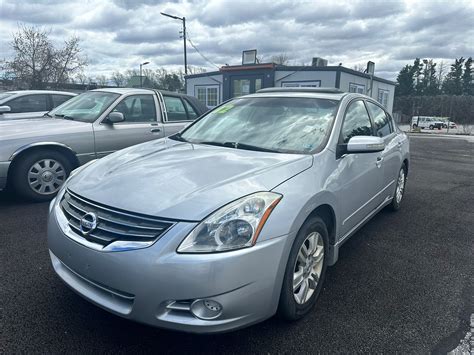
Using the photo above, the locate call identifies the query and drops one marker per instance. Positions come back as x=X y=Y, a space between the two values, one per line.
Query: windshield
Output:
x=280 y=124
x=86 y=107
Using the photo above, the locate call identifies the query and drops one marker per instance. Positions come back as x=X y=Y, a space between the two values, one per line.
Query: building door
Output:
x=244 y=85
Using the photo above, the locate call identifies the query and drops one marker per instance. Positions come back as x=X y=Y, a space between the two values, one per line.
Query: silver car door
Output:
x=359 y=175
x=176 y=114
x=140 y=125
x=392 y=156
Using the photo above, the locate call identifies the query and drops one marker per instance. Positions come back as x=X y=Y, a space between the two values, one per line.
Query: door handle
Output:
x=155 y=130
x=379 y=162
x=399 y=144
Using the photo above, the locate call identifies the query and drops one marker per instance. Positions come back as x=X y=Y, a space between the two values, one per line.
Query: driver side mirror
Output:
x=5 y=109
x=365 y=144
x=115 y=117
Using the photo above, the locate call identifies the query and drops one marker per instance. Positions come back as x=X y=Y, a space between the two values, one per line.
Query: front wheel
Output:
x=399 y=189
x=39 y=175
x=305 y=270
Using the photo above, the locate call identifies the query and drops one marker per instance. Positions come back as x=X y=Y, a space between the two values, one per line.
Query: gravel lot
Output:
x=404 y=282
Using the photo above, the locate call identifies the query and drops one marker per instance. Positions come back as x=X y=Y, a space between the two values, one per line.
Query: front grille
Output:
x=112 y=225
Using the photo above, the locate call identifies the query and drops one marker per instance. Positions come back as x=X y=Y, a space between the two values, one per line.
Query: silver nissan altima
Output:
x=235 y=218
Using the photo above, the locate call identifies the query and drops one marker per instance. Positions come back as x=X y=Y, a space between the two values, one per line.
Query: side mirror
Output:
x=365 y=144
x=5 y=109
x=115 y=117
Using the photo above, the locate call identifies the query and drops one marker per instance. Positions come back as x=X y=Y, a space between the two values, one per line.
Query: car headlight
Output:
x=234 y=226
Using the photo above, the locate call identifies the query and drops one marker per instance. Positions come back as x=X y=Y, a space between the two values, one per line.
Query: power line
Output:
x=199 y=52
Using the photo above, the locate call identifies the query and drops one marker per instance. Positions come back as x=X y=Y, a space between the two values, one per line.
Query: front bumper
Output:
x=4 y=165
x=143 y=285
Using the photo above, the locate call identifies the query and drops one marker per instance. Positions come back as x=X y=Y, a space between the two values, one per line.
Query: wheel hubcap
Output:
x=46 y=176
x=400 y=186
x=308 y=267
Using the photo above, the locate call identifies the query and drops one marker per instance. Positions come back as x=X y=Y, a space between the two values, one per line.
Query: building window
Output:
x=301 y=84
x=208 y=95
x=383 y=97
x=357 y=88
x=212 y=97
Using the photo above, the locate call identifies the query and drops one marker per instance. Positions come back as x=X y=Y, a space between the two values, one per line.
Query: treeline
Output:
x=427 y=88
x=427 y=78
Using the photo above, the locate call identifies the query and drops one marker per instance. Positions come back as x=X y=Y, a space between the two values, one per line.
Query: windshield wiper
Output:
x=64 y=116
x=238 y=145
x=47 y=114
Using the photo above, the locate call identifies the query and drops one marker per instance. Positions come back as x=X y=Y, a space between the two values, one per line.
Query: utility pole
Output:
x=183 y=20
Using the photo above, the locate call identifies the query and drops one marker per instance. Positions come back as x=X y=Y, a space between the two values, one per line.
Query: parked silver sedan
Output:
x=235 y=218
x=37 y=155
x=15 y=105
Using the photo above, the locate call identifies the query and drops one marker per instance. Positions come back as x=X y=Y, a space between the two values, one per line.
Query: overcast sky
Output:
x=119 y=34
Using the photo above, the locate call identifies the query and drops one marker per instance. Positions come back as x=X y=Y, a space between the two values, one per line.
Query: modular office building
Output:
x=231 y=81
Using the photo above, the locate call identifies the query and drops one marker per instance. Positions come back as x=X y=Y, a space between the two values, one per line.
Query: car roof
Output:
x=122 y=91
x=29 y=92
x=324 y=93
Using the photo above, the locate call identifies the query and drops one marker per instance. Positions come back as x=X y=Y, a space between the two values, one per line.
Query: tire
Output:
x=431 y=127
x=41 y=168
x=289 y=308
x=414 y=125
x=397 y=200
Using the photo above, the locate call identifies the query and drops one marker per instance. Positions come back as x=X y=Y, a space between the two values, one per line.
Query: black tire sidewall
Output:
x=288 y=308
x=21 y=168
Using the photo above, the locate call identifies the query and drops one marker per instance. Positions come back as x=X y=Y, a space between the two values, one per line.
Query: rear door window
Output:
x=29 y=103
x=175 y=109
x=192 y=114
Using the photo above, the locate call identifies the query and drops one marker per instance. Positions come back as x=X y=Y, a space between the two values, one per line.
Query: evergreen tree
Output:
x=467 y=78
x=405 y=82
x=453 y=84
x=429 y=82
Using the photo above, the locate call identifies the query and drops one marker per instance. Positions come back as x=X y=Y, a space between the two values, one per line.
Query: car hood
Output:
x=183 y=181
x=36 y=127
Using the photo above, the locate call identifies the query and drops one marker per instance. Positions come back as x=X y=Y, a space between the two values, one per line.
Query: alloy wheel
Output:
x=308 y=267
x=400 y=186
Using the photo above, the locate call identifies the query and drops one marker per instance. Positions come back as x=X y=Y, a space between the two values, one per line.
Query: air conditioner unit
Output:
x=319 y=62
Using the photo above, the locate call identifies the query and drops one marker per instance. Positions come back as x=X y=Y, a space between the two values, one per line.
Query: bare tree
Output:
x=441 y=73
x=281 y=58
x=359 y=67
x=37 y=62
x=119 y=79
x=81 y=78
x=101 y=80
x=67 y=60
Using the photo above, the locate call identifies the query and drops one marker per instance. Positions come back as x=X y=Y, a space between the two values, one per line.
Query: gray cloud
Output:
x=119 y=34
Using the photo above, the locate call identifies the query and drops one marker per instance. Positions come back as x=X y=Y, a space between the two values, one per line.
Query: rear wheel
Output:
x=414 y=125
x=305 y=270
x=39 y=176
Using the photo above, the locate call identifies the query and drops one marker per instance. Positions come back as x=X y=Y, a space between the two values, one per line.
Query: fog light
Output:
x=206 y=309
